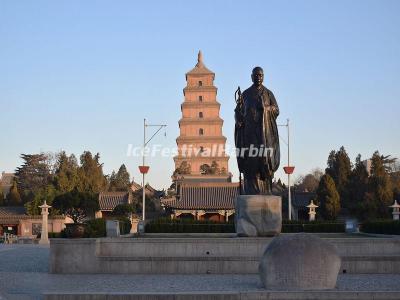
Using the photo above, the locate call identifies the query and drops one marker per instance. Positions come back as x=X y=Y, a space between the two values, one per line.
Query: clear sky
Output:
x=82 y=75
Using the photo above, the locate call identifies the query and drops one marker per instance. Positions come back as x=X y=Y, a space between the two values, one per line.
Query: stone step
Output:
x=387 y=264
x=271 y=295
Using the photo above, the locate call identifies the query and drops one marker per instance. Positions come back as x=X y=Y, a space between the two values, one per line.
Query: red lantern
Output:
x=288 y=169
x=144 y=169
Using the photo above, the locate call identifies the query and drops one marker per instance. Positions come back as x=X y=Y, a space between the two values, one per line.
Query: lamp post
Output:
x=44 y=236
x=288 y=169
x=396 y=210
x=143 y=168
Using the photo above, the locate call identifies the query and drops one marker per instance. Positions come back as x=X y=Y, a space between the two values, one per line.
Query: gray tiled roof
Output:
x=12 y=215
x=109 y=200
x=12 y=211
x=205 y=196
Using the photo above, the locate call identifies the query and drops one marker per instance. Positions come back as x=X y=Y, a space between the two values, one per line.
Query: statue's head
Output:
x=257 y=76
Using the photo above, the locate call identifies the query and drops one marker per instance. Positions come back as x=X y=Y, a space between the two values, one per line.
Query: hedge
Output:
x=381 y=227
x=165 y=225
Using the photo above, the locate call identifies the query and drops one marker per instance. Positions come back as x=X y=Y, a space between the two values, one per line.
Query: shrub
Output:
x=165 y=225
x=381 y=227
x=124 y=225
x=54 y=235
x=324 y=227
x=292 y=228
x=95 y=228
x=314 y=226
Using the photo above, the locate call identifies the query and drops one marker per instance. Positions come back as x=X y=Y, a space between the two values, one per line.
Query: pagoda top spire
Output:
x=200 y=68
x=200 y=59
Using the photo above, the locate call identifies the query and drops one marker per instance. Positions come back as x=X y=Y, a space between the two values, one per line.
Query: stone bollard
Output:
x=299 y=262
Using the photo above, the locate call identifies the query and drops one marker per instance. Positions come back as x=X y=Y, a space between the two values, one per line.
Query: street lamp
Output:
x=288 y=169
x=143 y=168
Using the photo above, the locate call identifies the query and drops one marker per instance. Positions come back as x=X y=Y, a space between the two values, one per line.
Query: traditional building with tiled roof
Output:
x=109 y=200
x=208 y=200
x=15 y=220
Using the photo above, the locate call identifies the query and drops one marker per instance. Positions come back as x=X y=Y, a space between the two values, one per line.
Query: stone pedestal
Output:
x=258 y=215
x=299 y=262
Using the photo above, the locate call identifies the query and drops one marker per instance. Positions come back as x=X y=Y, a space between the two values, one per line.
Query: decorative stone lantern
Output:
x=311 y=210
x=396 y=210
x=44 y=237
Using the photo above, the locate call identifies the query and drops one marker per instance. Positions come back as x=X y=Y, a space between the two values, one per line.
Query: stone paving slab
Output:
x=330 y=295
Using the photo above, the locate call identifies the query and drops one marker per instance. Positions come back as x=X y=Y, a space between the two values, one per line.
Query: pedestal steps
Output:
x=205 y=255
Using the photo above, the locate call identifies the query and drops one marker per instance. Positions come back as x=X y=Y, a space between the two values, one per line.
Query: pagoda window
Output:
x=201 y=131
x=200 y=98
x=200 y=83
x=201 y=114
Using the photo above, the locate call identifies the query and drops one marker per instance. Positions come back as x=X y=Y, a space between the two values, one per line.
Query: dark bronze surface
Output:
x=255 y=128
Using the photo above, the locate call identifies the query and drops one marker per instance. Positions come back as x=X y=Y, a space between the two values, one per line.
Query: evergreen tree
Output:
x=111 y=181
x=339 y=168
x=395 y=176
x=380 y=192
x=33 y=174
x=66 y=173
x=77 y=205
x=328 y=198
x=357 y=186
x=124 y=210
x=121 y=180
x=90 y=174
x=45 y=194
x=13 y=197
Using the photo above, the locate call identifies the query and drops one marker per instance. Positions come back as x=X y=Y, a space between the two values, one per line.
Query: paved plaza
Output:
x=24 y=275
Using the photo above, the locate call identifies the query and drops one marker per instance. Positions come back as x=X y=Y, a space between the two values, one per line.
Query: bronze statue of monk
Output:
x=256 y=136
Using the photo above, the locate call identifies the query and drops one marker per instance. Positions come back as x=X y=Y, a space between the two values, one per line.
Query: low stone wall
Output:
x=205 y=255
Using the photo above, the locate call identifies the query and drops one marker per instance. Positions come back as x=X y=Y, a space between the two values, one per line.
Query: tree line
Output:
x=46 y=176
x=348 y=188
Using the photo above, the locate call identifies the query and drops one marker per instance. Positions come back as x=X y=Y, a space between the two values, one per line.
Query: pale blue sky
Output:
x=82 y=75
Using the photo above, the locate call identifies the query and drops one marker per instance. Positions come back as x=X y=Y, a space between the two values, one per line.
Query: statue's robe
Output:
x=256 y=127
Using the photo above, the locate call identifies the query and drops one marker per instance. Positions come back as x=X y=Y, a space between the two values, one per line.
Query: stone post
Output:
x=396 y=210
x=311 y=210
x=44 y=237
